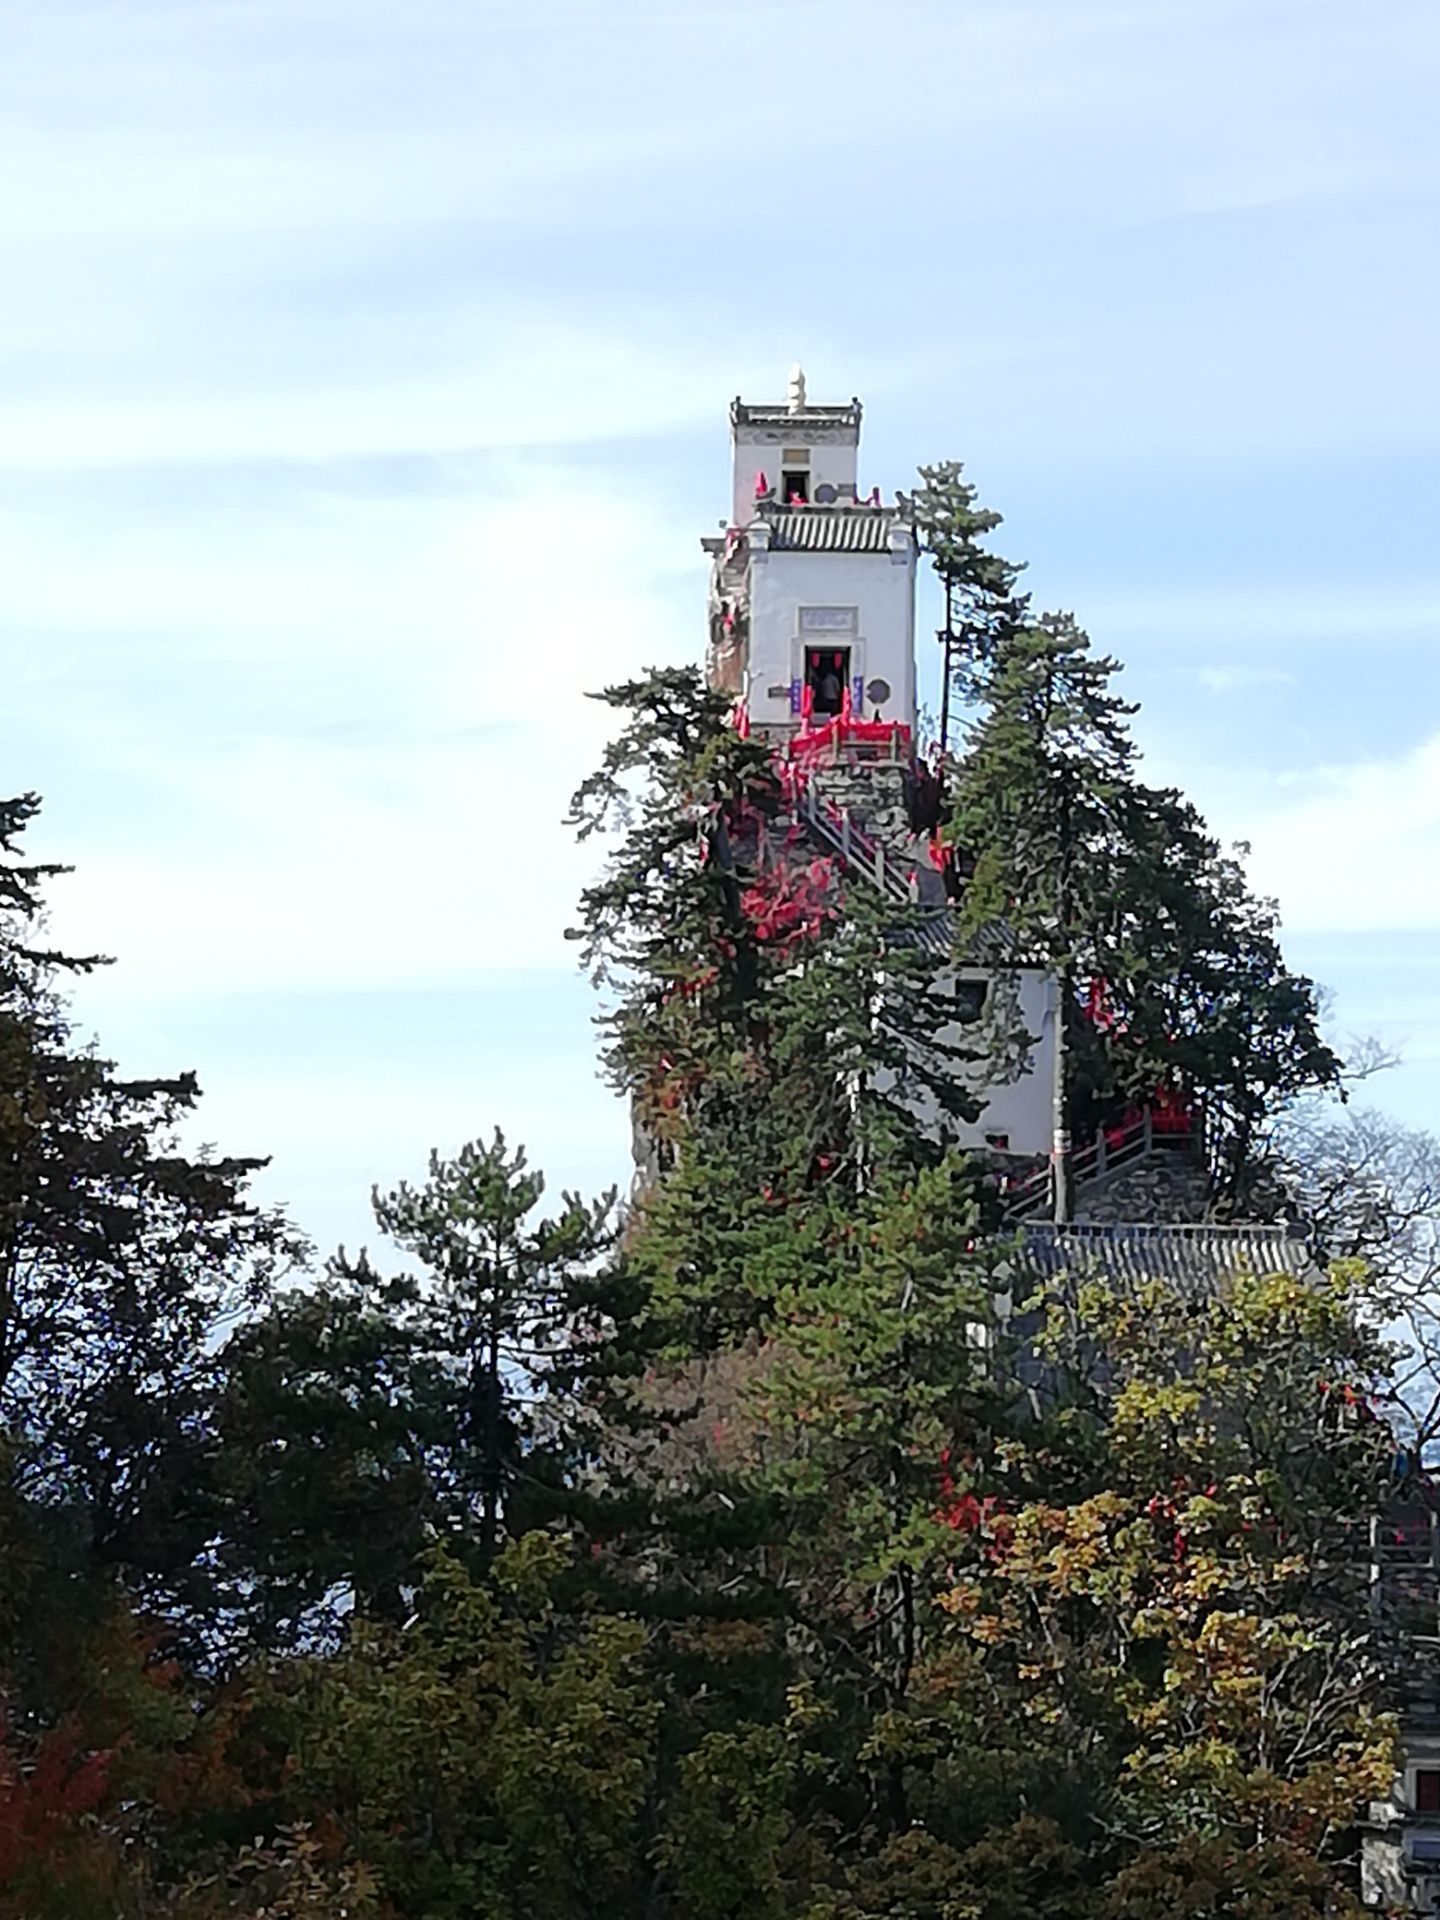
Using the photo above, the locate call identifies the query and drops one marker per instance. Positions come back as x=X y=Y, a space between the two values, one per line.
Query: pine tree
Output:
x=1121 y=892
x=360 y=1419
x=981 y=603
x=122 y=1256
x=1201 y=995
x=1040 y=808
x=504 y=1296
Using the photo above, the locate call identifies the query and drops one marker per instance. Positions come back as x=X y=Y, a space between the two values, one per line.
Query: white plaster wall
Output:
x=832 y=462
x=883 y=589
x=1019 y=1083
x=1021 y=1107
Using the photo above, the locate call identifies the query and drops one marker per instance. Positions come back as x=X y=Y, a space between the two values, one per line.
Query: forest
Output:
x=772 y=1543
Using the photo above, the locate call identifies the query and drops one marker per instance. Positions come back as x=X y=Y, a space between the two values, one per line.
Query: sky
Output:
x=363 y=383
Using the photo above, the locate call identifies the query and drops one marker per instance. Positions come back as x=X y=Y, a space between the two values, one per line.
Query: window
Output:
x=826 y=671
x=970 y=1000
x=794 y=485
x=1427 y=1790
x=998 y=1142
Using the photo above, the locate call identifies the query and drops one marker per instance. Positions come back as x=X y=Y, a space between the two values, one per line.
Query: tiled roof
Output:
x=744 y=414
x=1193 y=1258
x=832 y=529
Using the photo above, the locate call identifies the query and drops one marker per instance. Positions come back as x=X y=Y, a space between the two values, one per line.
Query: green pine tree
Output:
x=1120 y=891
x=979 y=587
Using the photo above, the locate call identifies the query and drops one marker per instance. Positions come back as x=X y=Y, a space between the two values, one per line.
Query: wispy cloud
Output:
x=1292 y=612
x=1350 y=848
x=1234 y=679
x=419 y=843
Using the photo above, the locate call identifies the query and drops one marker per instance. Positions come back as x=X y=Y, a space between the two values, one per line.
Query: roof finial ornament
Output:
x=796 y=398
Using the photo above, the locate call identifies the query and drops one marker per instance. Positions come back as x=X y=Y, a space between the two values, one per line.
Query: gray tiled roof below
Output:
x=1189 y=1257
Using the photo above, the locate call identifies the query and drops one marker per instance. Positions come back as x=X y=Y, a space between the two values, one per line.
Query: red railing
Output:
x=847 y=737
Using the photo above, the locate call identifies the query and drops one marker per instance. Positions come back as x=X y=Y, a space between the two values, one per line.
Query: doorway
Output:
x=827 y=669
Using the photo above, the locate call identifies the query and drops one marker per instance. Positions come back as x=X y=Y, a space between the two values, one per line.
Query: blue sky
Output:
x=363 y=375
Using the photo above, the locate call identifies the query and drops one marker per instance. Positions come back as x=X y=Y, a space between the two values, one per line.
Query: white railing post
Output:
x=845 y=836
x=1377 y=1596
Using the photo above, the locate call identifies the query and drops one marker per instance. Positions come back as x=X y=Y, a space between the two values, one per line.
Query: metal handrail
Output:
x=1098 y=1157
x=857 y=849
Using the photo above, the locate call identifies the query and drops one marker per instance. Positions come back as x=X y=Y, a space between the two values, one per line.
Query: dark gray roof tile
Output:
x=832 y=529
x=1194 y=1259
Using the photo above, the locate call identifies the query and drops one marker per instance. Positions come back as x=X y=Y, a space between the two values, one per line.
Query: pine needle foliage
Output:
x=980 y=587
x=757 y=997
x=1131 y=902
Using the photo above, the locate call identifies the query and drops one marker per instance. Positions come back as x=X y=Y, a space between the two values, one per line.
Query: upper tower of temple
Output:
x=796 y=453
x=812 y=604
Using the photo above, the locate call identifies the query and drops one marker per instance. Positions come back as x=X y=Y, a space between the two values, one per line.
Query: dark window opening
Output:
x=999 y=1142
x=826 y=671
x=794 y=485
x=1427 y=1789
x=970 y=1000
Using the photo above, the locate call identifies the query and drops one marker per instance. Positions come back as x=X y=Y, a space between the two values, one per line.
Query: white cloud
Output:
x=1234 y=679
x=525 y=380
x=421 y=843
x=302 y=228
x=1358 y=848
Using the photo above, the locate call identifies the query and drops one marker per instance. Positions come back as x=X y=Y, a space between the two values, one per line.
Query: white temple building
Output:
x=821 y=575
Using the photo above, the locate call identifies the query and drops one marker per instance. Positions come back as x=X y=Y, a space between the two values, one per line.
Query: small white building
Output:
x=813 y=592
x=1015 y=1025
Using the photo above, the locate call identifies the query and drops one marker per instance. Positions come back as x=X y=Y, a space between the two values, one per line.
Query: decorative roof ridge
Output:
x=1191 y=1253
x=773 y=413
x=898 y=507
x=1280 y=1232
x=846 y=511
